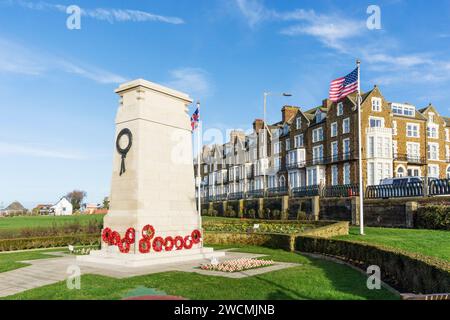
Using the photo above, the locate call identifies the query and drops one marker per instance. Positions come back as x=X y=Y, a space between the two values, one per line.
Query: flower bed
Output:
x=237 y=265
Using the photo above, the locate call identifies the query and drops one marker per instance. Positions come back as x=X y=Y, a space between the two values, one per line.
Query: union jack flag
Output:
x=342 y=87
x=195 y=118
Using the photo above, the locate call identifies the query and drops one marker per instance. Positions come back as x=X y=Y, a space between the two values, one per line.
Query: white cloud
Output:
x=93 y=73
x=194 y=81
x=10 y=149
x=105 y=14
x=330 y=30
x=15 y=58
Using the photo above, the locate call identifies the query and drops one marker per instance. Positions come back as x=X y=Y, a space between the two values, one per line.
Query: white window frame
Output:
x=340 y=109
x=394 y=127
x=288 y=144
x=413 y=155
x=298 y=123
x=346 y=153
x=346 y=173
x=346 y=126
x=334 y=129
x=436 y=172
x=409 y=127
x=376 y=104
x=433 y=155
x=317 y=135
x=334 y=175
x=334 y=150
x=298 y=141
x=376 y=119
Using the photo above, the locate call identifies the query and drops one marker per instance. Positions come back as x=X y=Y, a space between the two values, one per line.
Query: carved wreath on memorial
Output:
x=123 y=151
x=149 y=240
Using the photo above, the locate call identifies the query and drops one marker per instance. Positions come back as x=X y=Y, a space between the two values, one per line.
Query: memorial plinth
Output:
x=152 y=182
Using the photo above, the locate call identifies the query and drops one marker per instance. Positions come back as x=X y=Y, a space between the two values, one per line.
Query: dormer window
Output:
x=431 y=117
x=376 y=104
x=319 y=116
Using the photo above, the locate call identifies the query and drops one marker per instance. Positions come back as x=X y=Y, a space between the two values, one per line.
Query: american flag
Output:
x=342 y=87
x=195 y=118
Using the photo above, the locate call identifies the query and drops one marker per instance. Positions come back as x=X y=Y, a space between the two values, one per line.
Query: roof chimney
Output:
x=258 y=124
x=288 y=112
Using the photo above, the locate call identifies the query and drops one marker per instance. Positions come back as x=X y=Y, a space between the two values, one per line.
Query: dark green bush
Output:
x=433 y=217
x=270 y=240
x=276 y=214
x=301 y=215
x=49 y=242
x=405 y=271
x=56 y=229
x=252 y=213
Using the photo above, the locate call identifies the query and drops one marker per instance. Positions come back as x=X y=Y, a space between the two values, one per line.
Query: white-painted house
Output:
x=62 y=208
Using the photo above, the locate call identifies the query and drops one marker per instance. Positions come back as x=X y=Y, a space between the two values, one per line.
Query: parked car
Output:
x=400 y=181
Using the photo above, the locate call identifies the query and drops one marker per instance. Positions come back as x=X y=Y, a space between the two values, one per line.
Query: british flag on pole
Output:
x=195 y=118
x=342 y=87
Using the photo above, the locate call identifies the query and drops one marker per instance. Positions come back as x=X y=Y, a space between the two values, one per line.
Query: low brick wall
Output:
x=385 y=213
x=299 y=204
x=339 y=209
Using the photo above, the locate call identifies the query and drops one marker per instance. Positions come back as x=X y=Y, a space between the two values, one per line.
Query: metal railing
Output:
x=439 y=187
x=306 y=191
x=255 y=193
x=236 y=196
x=410 y=158
x=279 y=191
x=337 y=191
x=410 y=189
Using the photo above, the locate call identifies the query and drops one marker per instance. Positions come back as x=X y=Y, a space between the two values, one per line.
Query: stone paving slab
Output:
x=42 y=272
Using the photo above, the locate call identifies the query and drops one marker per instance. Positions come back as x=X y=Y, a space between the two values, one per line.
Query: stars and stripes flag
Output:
x=342 y=87
x=195 y=118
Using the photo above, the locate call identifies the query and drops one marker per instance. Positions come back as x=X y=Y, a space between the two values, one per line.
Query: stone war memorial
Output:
x=152 y=218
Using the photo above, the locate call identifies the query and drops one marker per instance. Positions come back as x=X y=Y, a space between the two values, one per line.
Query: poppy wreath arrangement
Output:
x=149 y=241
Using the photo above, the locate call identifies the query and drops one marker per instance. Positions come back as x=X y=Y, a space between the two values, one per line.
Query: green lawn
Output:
x=11 y=261
x=15 y=223
x=435 y=243
x=313 y=279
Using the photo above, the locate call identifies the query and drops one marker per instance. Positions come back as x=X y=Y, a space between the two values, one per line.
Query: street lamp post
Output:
x=266 y=94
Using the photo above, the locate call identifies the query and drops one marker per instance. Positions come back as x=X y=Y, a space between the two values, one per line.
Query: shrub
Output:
x=205 y=212
x=301 y=215
x=93 y=226
x=433 y=217
x=284 y=215
x=276 y=214
x=260 y=213
x=49 y=242
x=270 y=240
x=252 y=213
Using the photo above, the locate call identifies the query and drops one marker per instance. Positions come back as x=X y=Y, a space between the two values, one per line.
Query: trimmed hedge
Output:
x=270 y=240
x=433 y=217
x=49 y=242
x=405 y=271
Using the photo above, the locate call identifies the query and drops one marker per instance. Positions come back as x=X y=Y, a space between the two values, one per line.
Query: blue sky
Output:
x=56 y=85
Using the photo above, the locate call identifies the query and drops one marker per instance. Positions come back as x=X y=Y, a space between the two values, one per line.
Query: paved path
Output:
x=43 y=272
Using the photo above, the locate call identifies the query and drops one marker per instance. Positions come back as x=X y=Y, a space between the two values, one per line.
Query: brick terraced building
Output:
x=319 y=147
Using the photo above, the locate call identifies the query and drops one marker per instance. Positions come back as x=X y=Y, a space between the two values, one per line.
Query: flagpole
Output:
x=199 y=152
x=360 y=143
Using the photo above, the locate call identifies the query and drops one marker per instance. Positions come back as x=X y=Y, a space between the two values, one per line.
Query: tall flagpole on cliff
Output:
x=361 y=188
x=199 y=152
